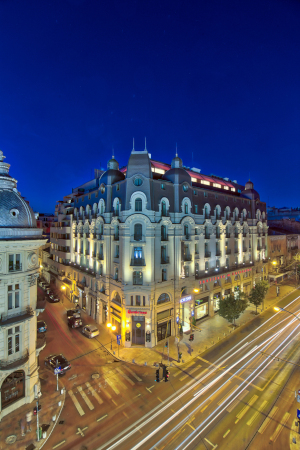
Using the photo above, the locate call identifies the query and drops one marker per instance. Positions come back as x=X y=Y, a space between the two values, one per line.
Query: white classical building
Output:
x=152 y=245
x=19 y=243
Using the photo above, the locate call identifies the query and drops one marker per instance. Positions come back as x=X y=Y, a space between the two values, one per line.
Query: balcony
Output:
x=165 y=260
x=207 y=236
x=218 y=236
x=197 y=256
x=86 y=253
x=218 y=253
x=207 y=254
x=228 y=251
x=41 y=343
x=20 y=316
x=164 y=238
x=227 y=235
x=137 y=262
x=116 y=237
x=41 y=305
x=79 y=235
x=15 y=267
x=100 y=256
x=93 y=255
x=187 y=258
x=86 y=235
x=17 y=361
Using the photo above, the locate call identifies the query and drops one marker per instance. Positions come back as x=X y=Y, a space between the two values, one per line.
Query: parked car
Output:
x=73 y=313
x=53 y=298
x=41 y=326
x=52 y=361
x=74 y=322
x=90 y=331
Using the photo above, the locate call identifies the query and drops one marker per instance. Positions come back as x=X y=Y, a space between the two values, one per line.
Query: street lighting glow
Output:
x=196 y=290
x=276 y=308
x=113 y=328
x=108 y=325
x=63 y=288
x=274 y=262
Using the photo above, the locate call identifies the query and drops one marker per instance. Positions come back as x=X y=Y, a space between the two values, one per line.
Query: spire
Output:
x=2 y=157
x=145 y=143
x=133 y=145
x=176 y=154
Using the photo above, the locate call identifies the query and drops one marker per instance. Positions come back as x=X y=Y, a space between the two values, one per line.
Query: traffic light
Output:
x=157 y=376
x=191 y=338
x=35 y=409
x=166 y=373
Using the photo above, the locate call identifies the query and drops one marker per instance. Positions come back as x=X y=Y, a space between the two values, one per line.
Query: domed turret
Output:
x=113 y=174
x=15 y=212
x=249 y=192
x=177 y=174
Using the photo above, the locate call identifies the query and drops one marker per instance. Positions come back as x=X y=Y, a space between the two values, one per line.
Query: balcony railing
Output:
x=14 y=267
x=228 y=251
x=137 y=262
x=165 y=260
x=19 y=359
x=218 y=253
x=20 y=316
x=207 y=236
x=100 y=256
x=187 y=257
x=207 y=254
x=164 y=238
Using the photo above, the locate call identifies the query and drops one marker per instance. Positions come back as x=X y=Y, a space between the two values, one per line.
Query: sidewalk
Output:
x=10 y=429
x=213 y=330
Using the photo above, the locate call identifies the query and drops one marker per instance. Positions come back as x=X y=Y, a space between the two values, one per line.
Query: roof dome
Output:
x=177 y=174
x=249 y=192
x=15 y=212
x=113 y=164
x=112 y=176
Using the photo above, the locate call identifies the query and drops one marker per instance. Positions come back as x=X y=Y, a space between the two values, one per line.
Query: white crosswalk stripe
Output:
x=76 y=402
x=94 y=393
x=85 y=398
x=190 y=373
x=112 y=384
x=126 y=377
x=132 y=373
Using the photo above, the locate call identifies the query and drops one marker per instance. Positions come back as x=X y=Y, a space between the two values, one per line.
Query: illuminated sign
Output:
x=188 y=298
x=136 y=312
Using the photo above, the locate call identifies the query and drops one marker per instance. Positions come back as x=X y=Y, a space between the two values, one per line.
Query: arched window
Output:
x=13 y=388
x=186 y=208
x=163 y=298
x=186 y=231
x=117 y=231
x=164 y=236
x=138 y=204
x=163 y=208
x=117 y=210
x=206 y=212
x=117 y=298
x=138 y=232
x=116 y=274
x=218 y=232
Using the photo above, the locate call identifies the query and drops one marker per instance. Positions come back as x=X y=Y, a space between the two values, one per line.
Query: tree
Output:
x=258 y=293
x=231 y=307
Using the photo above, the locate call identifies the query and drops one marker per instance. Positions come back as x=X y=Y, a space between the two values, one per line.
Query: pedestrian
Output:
x=28 y=420
x=22 y=425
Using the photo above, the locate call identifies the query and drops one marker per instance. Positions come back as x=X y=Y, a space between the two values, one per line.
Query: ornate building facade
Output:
x=151 y=245
x=19 y=243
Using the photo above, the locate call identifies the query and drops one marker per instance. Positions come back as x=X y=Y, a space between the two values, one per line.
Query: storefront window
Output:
x=216 y=300
x=201 y=307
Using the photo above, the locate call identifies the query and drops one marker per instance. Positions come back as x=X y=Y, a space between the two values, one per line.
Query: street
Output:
x=240 y=394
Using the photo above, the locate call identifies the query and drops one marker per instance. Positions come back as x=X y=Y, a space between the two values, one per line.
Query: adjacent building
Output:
x=152 y=245
x=20 y=240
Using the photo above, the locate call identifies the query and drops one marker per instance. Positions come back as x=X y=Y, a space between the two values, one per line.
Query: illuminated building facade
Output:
x=151 y=245
x=20 y=240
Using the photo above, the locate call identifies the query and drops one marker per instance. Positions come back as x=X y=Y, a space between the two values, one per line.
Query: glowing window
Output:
x=217 y=185
x=205 y=182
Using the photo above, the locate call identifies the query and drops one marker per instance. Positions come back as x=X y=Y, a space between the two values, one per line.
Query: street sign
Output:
x=298 y=413
x=298 y=397
x=118 y=339
x=57 y=370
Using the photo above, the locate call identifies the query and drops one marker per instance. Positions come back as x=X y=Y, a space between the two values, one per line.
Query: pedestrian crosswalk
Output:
x=89 y=396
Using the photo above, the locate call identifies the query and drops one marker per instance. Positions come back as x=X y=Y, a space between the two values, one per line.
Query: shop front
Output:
x=138 y=327
x=201 y=307
x=163 y=324
x=216 y=301
x=138 y=330
x=13 y=388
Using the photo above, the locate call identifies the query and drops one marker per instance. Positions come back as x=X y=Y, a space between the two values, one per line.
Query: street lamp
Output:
x=277 y=308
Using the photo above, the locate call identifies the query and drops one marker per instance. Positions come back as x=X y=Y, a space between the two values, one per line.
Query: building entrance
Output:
x=138 y=330
x=13 y=388
x=163 y=330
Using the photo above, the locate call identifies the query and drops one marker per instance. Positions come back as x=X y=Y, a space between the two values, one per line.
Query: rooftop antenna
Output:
x=133 y=145
x=113 y=153
x=145 y=143
x=176 y=154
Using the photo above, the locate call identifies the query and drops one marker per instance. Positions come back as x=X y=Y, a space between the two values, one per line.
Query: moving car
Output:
x=90 y=331
x=41 y=326
x=53 y=298
x=74 y=322
x=53 y=361
x=73 y=313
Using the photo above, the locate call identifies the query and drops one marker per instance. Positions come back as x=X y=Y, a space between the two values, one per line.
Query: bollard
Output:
x=59 y=403
x=145 y=363
x=53 y=418
x=62 y=391
x=44 y=434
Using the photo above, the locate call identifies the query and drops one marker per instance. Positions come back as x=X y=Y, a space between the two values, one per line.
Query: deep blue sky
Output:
x=220 y=78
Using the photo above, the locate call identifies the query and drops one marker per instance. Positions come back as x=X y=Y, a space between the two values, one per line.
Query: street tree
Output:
x=231 y=307
x=258 y=293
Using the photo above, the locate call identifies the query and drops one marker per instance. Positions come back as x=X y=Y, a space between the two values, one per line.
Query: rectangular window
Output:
x=205 y=182
x=138 y=300
x=232 y=189
x=217 y=185
x=14 y=262
x=163 y=186
x=131 y=300
x=13 y=296
x=118 y=187
x=226 y=187
x=196 y=209
x=164 y=275
x=144 y=300
x=117 y=251
x=138 y=253
x=13 y=340
x=137 y=278
x=10 y=345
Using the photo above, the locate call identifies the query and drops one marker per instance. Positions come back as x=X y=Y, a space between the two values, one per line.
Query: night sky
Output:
x=220 y=78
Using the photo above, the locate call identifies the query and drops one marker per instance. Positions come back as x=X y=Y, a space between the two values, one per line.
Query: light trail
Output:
x=216 y=366
x=273 y=338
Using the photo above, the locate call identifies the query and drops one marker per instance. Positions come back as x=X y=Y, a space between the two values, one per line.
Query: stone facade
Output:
x=152 y=245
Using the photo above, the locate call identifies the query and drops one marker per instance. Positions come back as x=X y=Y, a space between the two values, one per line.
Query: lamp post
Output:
x=277 y=308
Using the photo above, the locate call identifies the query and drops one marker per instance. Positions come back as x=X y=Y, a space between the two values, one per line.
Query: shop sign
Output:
x=188 y=298
x=138 y=325
x=136 y=312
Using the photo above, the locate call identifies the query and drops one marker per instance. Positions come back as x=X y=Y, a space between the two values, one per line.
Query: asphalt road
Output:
x=239 y=394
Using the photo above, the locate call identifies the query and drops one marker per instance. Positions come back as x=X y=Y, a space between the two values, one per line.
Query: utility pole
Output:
x=37 y=419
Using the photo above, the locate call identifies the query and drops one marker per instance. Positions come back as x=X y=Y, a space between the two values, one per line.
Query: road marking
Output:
x=228 y=394
x=116 y=404
x=119 y=382
x=107 y=394
x=81 y=430
x=60 y=443
x=85 y=398
x=255 y=415
x=280 y=427
x=94 y=393
x=188 y=423
x=267 y=420
x=177 y=372
x=160 y=399
x=137 y=395
x=112 y=385
x=125 y=376
x=76 y=402
x=203 y=409
x=132 y=373
x=182 y=370
x=101 y=418
x=149 y=389
x=227 y=432
x=246 y=408
x=237 y=401
x=213 y=446
x=125 y=415
x=188 y=374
